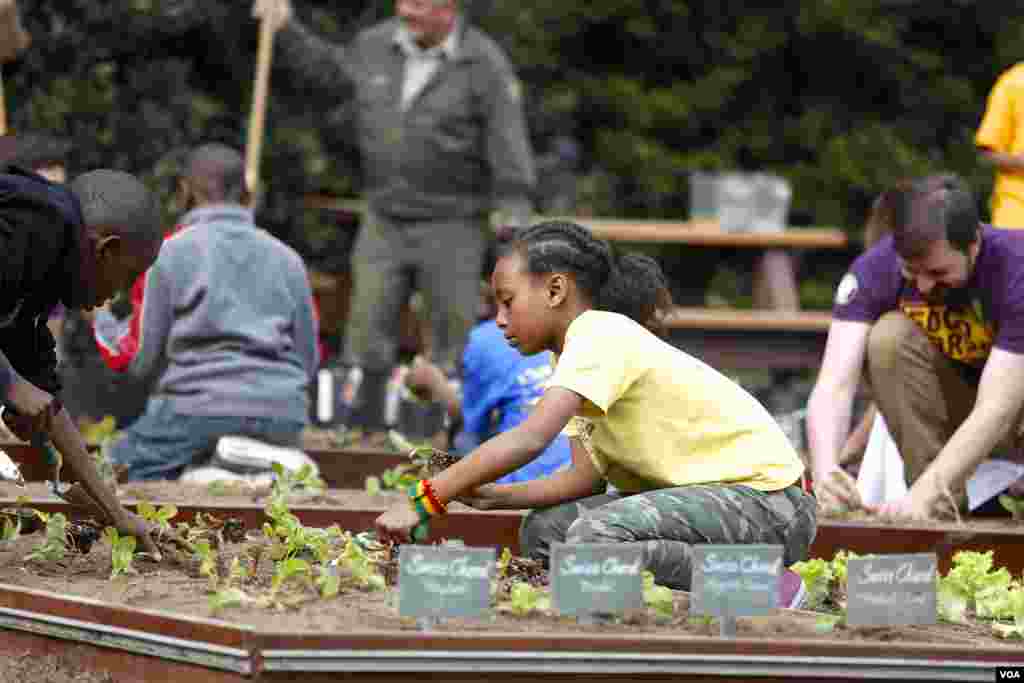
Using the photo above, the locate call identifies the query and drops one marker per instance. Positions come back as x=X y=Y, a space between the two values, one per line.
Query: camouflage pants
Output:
x=669 y=522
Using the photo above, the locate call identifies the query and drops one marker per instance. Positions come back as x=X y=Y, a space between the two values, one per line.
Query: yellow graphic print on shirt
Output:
x=962 y=334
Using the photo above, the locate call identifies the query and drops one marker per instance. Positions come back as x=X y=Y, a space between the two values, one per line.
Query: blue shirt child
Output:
x=500 y=385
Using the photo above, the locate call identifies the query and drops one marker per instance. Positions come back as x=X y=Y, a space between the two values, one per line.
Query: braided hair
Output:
x=633 y=284
x=565 y=247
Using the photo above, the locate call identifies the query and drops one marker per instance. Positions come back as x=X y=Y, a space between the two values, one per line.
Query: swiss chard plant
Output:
x=122 y=549
x=55 y=543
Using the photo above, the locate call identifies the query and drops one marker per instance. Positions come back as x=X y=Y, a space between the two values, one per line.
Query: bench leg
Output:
x=775 y=284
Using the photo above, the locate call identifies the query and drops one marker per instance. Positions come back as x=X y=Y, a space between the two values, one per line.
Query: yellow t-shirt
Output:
x=658 y=417
x=1002 y=130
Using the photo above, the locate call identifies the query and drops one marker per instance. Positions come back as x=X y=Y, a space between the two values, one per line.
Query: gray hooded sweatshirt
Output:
x=227 y=320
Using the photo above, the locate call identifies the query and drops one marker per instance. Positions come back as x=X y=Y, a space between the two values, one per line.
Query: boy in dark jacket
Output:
x=78 y=245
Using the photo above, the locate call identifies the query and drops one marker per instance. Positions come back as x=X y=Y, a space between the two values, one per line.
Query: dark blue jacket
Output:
x=45 y=259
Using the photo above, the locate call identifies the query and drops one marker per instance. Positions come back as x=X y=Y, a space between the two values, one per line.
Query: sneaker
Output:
x=792 y=590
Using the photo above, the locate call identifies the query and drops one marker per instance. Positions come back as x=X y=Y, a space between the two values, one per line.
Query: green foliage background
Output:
x=839 y=96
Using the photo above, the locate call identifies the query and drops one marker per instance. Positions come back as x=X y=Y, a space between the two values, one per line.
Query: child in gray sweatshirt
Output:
x=228 y=334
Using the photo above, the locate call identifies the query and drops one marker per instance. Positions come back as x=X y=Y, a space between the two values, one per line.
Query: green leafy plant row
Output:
x=973 y=587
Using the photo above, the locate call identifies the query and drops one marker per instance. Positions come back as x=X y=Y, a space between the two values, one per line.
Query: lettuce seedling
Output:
x=1015 y=609
x=1013 y=505
x=818 y=576
x=524 y=598
x=55 y=544
x=160 y=518
x=122 y=548
x=658 y=598
x=11 y=529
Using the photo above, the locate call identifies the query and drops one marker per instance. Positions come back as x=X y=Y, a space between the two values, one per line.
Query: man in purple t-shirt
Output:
x=934 y=314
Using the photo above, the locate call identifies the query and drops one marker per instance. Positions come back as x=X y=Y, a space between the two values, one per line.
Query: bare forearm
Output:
x=560 y=487
x=858 y=439
x=506 y=452
x=828 y=425
x=69 y=442
x=971 y=443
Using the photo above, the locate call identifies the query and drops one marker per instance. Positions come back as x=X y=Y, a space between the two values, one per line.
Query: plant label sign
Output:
x=891 y=590
x=596 y=578
x=735 y=580
x=438 y=581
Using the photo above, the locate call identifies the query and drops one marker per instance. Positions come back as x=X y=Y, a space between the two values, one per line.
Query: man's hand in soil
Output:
x=397 y=523
x=836 y=492
x=924 y=501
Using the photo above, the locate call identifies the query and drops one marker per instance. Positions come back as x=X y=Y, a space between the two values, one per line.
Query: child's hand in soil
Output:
x=837 y=492
x=397 y=523
x=130 y=524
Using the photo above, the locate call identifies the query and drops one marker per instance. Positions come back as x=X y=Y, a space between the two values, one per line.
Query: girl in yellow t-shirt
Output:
x=691 y=456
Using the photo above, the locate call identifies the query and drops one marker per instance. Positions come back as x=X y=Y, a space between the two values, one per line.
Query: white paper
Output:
x=881 y=478
x=990 y=479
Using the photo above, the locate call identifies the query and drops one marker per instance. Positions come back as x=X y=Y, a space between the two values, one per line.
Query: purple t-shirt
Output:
x=989 y=310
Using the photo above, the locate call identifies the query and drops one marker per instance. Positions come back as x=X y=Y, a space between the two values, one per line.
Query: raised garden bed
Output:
x=356 y=510
x=154 y=623
x=339 y=467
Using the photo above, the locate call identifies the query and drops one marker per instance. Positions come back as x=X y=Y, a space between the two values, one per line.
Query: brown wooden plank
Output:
x=709 y=234
x=705 y=233
x=752 y=320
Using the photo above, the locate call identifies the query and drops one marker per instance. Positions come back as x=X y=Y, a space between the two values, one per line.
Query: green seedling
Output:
x=55 y=544
x=658 y=598
x=356 y=564
x=287 y=482
x=826 y=623
x=231 y=594
x=160 y=518
x=524 y=598
x=229 y=597
x=11 y=529
x=817 y=575
x=1013 y=505
x=328 y=583
x=290 y=570
x=122 y=549
x=373 y=486
x=207 y=557
x=1015 y=612
x=397 y=478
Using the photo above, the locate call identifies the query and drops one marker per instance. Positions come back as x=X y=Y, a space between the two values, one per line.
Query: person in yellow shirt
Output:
x=692 y=457
x=1000 y=142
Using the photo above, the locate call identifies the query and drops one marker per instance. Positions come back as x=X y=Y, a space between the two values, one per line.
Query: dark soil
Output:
x=50 y=669
x=175 y=585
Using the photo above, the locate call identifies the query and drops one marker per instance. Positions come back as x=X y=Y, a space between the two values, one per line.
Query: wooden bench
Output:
x=776 y=335
x=751 y=339
x=707 y=233
x=775 y=285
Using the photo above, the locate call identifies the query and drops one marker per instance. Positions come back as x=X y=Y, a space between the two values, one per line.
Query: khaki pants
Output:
x=444 y=258
x=921 y=394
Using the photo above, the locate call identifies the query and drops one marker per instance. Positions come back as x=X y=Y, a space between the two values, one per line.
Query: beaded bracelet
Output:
x=428 y=490
x=420 y=503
